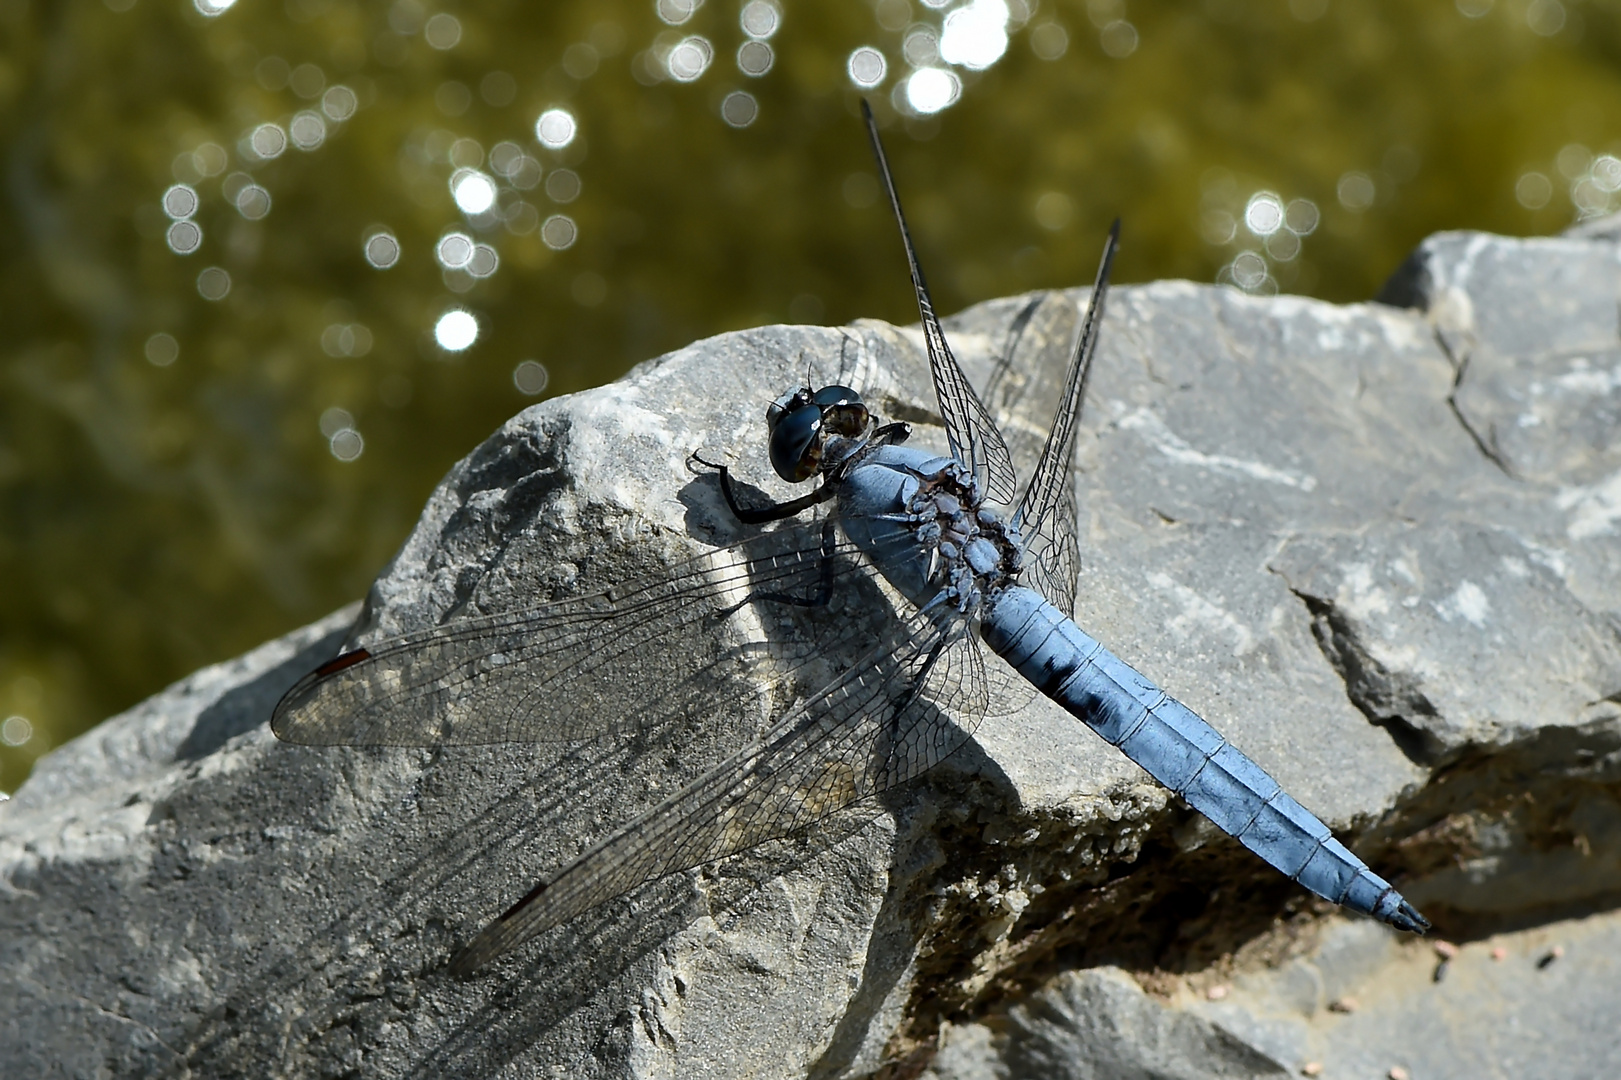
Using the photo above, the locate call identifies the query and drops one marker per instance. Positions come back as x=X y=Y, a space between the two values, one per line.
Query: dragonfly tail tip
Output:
x=1406 y=917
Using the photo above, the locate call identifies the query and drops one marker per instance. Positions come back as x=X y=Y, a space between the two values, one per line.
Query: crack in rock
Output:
x=1389 y=699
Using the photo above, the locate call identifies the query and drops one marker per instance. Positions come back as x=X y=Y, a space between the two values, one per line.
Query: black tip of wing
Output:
x=491 y=941
x=341 y=661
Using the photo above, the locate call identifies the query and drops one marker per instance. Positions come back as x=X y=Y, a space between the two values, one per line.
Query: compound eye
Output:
x=836 y=395
x=796 y=445
x=843 y=412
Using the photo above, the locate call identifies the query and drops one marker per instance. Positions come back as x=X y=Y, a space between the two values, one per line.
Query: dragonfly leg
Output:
x=759 y=515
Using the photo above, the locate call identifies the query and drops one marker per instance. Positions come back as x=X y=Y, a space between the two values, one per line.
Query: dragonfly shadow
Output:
x=565 y=976
x=324 y=984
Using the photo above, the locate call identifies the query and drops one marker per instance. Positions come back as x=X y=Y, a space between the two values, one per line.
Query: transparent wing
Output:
x=907 y=705
x=642 y=651
x=974 y=438
x=1046 y=515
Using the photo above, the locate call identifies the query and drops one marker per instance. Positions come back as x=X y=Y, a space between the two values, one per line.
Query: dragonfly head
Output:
x=806 y=424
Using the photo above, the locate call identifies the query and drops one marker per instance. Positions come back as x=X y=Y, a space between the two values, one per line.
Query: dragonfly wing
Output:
x=902 y=709
x=577 y=668
x=974 y=438
x=1047 y=514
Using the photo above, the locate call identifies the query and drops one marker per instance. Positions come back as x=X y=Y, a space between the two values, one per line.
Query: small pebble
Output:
x=1398 y=1073
x=1499 y=953
x=1312 y=1068
x=1343 y=1005
x=1445 y=950
x=1440 y=972
x=1551 y=955
x=1217 y=992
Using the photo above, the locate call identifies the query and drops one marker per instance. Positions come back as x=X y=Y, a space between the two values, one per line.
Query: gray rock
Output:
x=1374 y=545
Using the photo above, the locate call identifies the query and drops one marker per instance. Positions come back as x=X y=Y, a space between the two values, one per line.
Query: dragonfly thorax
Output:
x=812 y=431
x=973 y=552
x=921 y=519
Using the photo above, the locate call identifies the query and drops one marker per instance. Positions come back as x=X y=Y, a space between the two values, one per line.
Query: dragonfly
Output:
x=960 y=577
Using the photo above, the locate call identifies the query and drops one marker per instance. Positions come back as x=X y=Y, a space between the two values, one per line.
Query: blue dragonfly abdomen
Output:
x=1177 y=748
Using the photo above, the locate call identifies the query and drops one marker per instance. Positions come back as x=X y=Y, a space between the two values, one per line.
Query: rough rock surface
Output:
x=1375 y=545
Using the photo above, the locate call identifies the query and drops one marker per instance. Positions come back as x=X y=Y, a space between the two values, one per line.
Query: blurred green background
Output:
x=235 y=232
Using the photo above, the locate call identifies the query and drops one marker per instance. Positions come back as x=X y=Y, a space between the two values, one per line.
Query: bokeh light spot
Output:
x=1606 y=170
x=1573 y=160
x=1301 y=217
x=1283 y=245
x=334 y=420
x=307 y=81
x=1263 y=214
x=1533 y=190
x=267 y=141
x=929 y=90
x=1049 y=41
x=209 y=159
x=676 y=12
x=184 y=237
x=454 y=250
x=921 y=46
x=162 y=349
x=1356 y=191
x=1118 y=39
x=522 y=218
x=760 y=18
x=214 y=283
x=1054 y=210
x=211 y=8
x=466 y=153
x=893 y=15
x=456 y=330
x=867 y=67
x=484 y=261
x=308 y=130
x=689 y=59
x=1218 y=226
x=555 y=128
x=382 y=250
x=473 y=191
x=530 y=377
x=738 y=109
x=1545 y=17
x=754 y=58
x=1249 y=271
x=563 y=185
x=442 y=31
x=580 y=61
x=559 y=232
x=346 y=444
x=180 y=201
x=975 y=36
x=252 y=202
x=339 y=103
x=505 y=158
x=15 y=730
x=346 y=339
